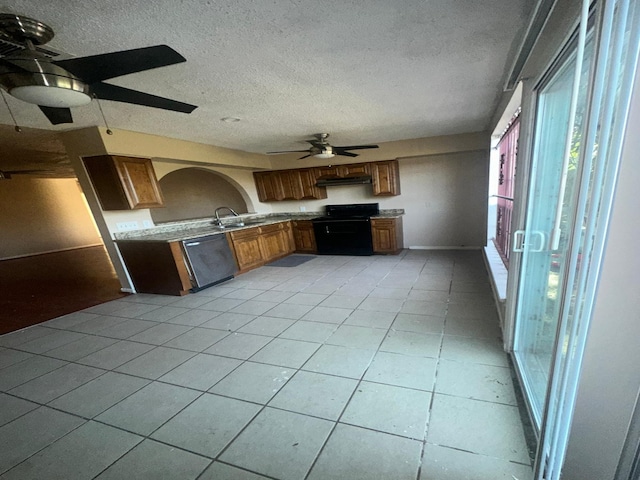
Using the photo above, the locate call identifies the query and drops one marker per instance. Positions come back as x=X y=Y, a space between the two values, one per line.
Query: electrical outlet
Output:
x=147 y=224
x=127 y=226
x=303 y=209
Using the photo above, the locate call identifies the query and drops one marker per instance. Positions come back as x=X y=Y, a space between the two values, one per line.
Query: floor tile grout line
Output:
x=2 y=473
x=239 y=468
x=433 y=387
x=244 y=360
x=346 y=405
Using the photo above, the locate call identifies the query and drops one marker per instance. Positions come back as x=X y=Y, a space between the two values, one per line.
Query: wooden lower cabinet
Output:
x=305 y=239
x=156 y=267
x=275 y=241
x=387 y=235
x=246 y=247
x=254 y=247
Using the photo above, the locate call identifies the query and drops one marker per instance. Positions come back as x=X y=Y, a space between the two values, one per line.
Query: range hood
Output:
x=348 y=180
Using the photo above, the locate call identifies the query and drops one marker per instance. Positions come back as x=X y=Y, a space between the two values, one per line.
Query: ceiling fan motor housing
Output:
x=35 y=76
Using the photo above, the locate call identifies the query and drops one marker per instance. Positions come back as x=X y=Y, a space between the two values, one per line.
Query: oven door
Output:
x=343 y=236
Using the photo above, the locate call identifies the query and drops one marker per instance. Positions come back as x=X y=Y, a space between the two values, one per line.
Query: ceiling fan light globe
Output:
x=50 y=96
x=325 y=155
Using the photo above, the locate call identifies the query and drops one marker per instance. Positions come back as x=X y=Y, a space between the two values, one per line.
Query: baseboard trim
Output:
x=456 y=247
x=35 y=254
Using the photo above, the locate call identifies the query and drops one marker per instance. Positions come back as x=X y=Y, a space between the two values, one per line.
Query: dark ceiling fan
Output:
x=320 y=148
x=58 y=85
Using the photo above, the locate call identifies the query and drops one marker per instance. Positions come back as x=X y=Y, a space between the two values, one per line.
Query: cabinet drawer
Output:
x=245 y=233
x=270 y=228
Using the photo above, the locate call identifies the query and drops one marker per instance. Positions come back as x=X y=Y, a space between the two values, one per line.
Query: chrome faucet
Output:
x=218 y=221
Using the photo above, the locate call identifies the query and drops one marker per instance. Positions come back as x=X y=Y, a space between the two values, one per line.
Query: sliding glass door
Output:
x=562 y=102
x=581 y=110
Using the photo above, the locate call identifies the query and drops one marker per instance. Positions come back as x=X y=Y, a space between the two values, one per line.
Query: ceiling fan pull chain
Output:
x=17 y=127
x=109 y=132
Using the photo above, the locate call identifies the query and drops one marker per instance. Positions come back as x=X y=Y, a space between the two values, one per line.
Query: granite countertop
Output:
x=189 y=229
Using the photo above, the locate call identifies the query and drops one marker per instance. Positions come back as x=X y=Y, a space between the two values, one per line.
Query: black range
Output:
x=345 y=229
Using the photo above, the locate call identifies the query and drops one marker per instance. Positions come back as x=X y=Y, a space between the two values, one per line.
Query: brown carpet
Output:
x=39 y=288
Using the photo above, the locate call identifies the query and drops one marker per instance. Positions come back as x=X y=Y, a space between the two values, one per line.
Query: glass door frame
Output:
x=567 y=51
x=616 y=56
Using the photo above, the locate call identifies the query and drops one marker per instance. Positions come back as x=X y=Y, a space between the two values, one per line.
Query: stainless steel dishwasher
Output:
x=209 y=260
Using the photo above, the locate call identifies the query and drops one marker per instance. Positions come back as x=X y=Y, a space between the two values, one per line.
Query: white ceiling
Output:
x=364 y=70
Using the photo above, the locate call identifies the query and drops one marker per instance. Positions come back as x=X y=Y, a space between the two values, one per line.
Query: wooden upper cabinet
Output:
x=328 y=171
x=385 y=177
x=300 y=184
x=309 y=189
x=288 y=185
x=291 y=185
x=124 y=183
x=354 y=169
x=269 y=186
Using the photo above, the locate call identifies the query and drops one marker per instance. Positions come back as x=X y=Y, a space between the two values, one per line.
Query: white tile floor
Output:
x=340 y=368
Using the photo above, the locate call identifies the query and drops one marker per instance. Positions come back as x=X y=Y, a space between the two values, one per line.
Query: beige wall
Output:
x=196 y=193
x=444 y=182
x=40 y=215
x=417 y=147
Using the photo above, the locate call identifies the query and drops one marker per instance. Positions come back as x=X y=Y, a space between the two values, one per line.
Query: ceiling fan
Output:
x=320 y=148
x=56 y=86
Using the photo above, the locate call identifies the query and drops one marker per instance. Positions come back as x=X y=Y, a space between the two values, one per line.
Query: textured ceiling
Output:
x=364 y=70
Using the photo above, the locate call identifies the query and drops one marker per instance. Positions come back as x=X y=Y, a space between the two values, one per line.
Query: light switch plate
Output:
x=147 y=224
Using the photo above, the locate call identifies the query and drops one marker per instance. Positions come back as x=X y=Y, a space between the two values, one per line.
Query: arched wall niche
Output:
x=196 y=193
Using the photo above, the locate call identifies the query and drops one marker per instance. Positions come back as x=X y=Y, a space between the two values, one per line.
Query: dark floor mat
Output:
x=291 y=261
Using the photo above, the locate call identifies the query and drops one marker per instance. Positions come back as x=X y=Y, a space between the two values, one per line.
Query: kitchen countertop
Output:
x=189 y=229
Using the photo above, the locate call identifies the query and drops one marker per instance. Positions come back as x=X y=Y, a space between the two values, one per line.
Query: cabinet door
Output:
x=328 y=171
x=355 y=169
x=291 y=184
x=386 y=178
x=310 y=191
x=246 y=245
x=287 y=234
x=269 y=186
x=387 y=235
x=139 y=182
x=123 y=183
x=305 y=240
x=273 y=242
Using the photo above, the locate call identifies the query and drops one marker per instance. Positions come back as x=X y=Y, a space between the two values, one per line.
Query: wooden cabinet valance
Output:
x=300 y=184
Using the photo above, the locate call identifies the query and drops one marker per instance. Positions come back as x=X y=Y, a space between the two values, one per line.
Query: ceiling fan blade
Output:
x=356 y=147
x=57 y=115
x=96 y=68
x=288 y=151
x=11 y=66
x=306 y=156
x=344 y=153
x=106 y=91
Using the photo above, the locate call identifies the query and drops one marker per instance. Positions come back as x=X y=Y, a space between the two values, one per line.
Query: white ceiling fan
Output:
x=320 y=148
